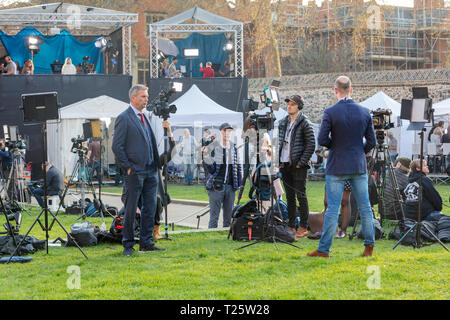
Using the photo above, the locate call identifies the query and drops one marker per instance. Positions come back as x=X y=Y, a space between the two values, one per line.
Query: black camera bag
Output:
x=248 y=226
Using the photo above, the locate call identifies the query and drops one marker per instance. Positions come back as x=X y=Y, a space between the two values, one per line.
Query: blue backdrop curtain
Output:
x=210 y=49
x=57 y=47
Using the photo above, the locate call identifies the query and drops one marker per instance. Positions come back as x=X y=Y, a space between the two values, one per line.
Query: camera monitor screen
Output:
x=190 y=53
x=274 y=95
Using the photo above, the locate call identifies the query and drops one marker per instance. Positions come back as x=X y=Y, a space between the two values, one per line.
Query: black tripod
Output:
x=271 y=221
x=45 y=211
x=8 y=225
x=165 y=194
x=381 y=164
x=417 y=226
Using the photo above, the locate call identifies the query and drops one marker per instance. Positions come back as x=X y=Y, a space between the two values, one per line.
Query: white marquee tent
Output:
x=70 y=126
x=442 y=108
x=404 y=137
x=196 y=107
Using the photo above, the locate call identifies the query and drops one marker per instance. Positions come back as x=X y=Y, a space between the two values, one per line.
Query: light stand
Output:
x=419 y=112
x=40 y=108
x=417 y=226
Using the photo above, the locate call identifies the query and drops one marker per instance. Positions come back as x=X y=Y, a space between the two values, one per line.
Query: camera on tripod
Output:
x=19 y=145
x=381 y=121
x=161 y=107
x=258 y=121
x=77 y=145
x=262 y=121
x=269 y=98
x=13 y=141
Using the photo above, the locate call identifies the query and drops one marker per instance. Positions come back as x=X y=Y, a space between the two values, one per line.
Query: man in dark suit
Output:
x=343 y=129
x=136 y=151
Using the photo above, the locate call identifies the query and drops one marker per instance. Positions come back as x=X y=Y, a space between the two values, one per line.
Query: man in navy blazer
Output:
x=136 y=151
x=347 y=131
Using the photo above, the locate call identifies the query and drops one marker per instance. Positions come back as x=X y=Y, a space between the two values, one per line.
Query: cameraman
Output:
x=94 y=154
x=393 y=146
x=55 y=184
x=5 y=159
x=223 y=176
x=297 y=144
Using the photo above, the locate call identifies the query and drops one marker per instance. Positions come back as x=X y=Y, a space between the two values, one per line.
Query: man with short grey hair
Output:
x=136 y=151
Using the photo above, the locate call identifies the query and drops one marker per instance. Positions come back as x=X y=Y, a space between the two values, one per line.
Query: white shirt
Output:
x=68 y=69
x=286 y=150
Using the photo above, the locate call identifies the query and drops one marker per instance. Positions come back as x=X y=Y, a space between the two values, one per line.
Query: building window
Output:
x=152 y=17
x=143 y=70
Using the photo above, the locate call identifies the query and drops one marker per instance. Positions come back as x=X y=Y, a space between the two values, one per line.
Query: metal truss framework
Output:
x=236 y=29
x=77 y=19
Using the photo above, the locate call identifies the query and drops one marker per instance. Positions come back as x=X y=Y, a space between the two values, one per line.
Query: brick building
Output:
x=364 y=35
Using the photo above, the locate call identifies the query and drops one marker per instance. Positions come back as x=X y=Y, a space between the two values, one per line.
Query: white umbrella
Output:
x=168 y=47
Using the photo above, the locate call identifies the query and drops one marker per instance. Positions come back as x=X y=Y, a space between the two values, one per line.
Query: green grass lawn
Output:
x=207 y=266
x=314 y=189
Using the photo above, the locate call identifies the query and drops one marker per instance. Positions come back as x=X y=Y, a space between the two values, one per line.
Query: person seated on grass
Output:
x=401 y=171
x=431 y=200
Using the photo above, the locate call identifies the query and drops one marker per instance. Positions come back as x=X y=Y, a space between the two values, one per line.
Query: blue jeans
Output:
x=143 y=182
x=38 y=193
x=335 y=188
x=188 y=173
x=95 y=166
x=221 y=199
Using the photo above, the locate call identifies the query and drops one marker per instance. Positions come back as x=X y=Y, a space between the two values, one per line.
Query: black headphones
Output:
x=300 y=103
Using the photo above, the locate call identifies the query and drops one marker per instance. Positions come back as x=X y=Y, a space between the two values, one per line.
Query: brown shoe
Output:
x=156 y=234
x=368 y=251
x=302 y=232
x=295 y=232
x=316 y=253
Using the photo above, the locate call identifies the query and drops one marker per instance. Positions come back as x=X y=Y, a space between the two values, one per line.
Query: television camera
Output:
x=160 y=106
x=270 y=98
x=77 y=145
x=13 y=141
x=381 y=122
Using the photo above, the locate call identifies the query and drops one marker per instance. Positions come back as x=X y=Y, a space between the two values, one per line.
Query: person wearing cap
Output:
x=297 y=145
x=223 y=176
x=391 y=204
x=343 y=130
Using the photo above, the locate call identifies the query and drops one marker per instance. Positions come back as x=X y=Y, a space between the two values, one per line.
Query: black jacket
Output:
x=303 y=141
x=431 y=200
